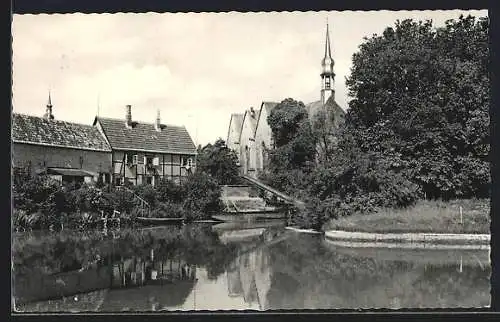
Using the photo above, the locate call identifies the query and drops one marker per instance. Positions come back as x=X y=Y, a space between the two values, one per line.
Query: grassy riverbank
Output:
x=425 y=216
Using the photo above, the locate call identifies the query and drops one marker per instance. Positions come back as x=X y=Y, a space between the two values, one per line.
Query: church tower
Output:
x=327 y=74
x=48 y=112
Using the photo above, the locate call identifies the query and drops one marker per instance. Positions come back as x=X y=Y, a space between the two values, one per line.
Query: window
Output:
x=187 y=162
x=118 y=181
x=327 y=82
x=149 y=180
x=131 y=158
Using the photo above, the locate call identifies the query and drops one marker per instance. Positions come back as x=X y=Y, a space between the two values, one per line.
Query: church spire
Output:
x=48 y=111
x=328 y=53
x=327 y=74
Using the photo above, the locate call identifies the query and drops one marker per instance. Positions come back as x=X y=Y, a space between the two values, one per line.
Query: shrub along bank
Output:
x=41 y=202
x=426 y=216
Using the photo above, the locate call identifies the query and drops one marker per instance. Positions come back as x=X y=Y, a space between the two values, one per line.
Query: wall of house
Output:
x=247 y=148
x=39 y=157
x=233 y=138
x=263 y=141
x=170 y=166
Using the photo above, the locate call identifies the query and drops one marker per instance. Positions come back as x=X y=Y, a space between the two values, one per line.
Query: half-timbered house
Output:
x=144 y=153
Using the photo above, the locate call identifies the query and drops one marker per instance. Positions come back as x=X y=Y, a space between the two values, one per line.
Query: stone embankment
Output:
x=409 y=240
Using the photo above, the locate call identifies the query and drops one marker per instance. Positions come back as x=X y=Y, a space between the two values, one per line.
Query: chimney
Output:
x=128 y=115
x=158 y=122
x=252 y=112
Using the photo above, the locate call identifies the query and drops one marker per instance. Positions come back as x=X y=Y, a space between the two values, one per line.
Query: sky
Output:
x=196 y=68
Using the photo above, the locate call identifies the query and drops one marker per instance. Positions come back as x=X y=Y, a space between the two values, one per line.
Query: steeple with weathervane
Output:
x=327 y=74
x=48 y=111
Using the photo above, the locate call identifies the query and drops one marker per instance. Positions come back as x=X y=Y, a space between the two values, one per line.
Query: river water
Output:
x=234 y=267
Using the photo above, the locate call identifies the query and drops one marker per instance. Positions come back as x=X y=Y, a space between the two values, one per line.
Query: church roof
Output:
x=40 y=131
x=144 y=137
x=313 y=107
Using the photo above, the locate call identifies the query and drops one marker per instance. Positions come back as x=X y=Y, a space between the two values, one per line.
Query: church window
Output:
x=327 y=82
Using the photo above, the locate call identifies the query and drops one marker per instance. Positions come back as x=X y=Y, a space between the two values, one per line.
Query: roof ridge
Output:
x=138 y=122
x=53 y=120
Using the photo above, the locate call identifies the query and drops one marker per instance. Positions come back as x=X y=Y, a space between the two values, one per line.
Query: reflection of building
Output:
x=129 y=273
x=138 y=271
x=235 y=288
x=150 y=284
x=250 y=277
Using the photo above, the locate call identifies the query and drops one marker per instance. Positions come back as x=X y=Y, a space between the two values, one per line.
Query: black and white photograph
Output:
x=255 y=161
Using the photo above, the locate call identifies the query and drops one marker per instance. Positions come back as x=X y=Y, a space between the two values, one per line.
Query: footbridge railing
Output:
x=279 y=194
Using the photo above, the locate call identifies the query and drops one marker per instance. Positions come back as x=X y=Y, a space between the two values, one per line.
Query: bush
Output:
x=148 y=193
x=169 y=191
x=121 y=200
x=88 y=199
x=203 y=196
x=312 y=217
x=167 y=210
x=358 y=185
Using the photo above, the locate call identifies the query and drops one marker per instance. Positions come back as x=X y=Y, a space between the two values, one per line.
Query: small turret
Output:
x=48 y=111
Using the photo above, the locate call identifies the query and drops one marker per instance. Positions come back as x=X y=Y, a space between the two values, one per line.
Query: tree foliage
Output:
x=417 y=126
x=294 y=145
x=422 y=93
x=219 y=161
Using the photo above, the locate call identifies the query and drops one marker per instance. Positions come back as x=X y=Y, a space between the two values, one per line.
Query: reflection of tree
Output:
x=76 y=251
x=308 y=275
x=204 y=248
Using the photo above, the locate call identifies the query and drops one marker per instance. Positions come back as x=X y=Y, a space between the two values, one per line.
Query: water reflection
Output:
x=261 y=267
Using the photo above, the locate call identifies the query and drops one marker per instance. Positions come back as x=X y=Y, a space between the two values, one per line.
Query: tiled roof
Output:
x=143 y=136
x=314 y=107
x=37 y=130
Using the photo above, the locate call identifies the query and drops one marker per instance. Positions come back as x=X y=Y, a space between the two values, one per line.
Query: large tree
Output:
x=218 y=161
x=294 y=149
x=422 y=94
